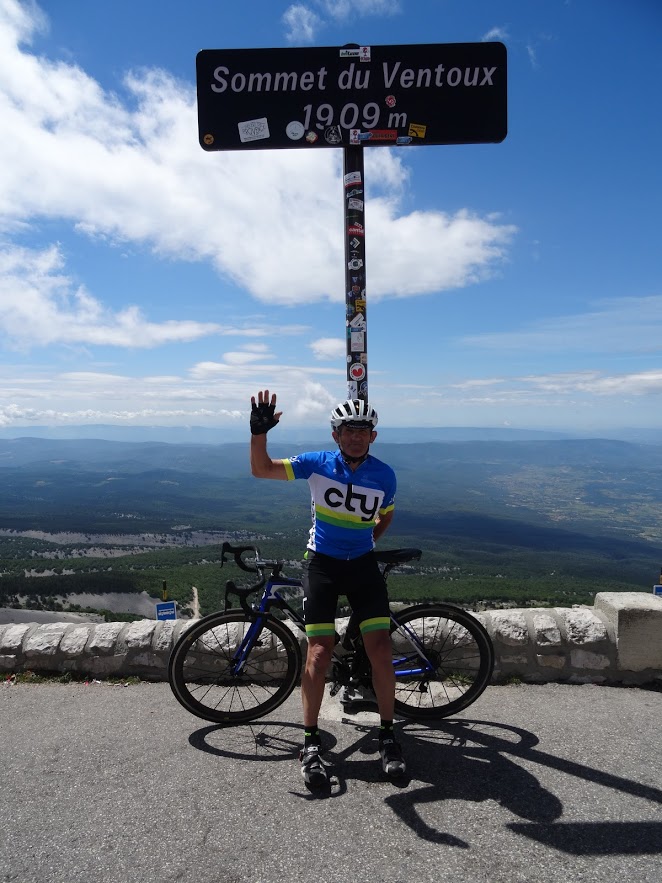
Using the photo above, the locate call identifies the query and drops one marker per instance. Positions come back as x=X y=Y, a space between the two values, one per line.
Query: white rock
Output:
x=583 y=627
x=104 y=637
x=45 y=640
x=510 y=627
x=546 y=630
x=139 y=634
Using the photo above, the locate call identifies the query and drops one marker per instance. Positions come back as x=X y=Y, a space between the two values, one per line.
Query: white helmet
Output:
x=353 y=411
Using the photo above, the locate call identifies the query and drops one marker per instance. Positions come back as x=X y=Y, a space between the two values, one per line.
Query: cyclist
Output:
x=353 y=498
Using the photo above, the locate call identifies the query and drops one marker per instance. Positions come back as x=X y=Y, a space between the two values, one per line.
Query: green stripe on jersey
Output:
x=351 y=522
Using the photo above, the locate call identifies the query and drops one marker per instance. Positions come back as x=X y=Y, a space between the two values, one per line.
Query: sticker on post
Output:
x=253 y=130
x=357 y=341
x=357 y=371
x=352 y=178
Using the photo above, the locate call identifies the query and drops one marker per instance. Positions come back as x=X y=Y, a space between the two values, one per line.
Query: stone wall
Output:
x=618 y=640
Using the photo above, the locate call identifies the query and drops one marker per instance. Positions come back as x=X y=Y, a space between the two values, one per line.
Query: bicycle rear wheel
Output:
x=457 y=647
x=203 y=670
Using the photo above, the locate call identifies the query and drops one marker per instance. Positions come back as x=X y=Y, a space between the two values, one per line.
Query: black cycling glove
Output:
x=262 y=418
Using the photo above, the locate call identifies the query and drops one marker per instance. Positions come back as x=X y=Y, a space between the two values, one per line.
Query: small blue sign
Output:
x=166 y=610
x=657 y=590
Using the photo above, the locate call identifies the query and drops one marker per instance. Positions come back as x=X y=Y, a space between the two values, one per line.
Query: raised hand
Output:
x=263 y=413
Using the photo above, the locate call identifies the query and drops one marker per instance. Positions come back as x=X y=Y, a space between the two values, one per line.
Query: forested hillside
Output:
x=546 y=522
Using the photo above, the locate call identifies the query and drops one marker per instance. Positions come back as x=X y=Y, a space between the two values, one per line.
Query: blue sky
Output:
x=146 y=281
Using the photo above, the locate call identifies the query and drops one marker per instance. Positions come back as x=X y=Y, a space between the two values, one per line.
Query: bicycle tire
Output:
x=459 y=648
x=201 y=677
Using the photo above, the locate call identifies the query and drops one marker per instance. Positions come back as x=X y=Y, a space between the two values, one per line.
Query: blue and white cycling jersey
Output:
x=344 y=504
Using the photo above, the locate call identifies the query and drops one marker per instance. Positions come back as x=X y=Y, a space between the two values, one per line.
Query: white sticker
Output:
x=294 y=130
x=253 y=130
x=357 y=340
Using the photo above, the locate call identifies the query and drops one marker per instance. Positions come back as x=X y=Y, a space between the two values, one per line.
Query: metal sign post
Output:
x=352 y=97
x=355 y=274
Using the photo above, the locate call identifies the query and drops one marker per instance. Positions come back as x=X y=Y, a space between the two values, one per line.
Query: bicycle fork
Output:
x=250 y=640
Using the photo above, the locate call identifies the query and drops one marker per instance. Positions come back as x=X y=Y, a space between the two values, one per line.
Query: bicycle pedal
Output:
x=351 y=696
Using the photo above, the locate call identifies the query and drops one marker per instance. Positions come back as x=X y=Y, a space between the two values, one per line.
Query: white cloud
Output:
x=135 y=174
x=40 y=306
x=448 y=251
x=497 y=33
x=625 y=325
x=247 y=356
x=218 y=393
x=340 y=10
x=329 y=348
x=304 y=21
x=597 y=383
x=301 y=24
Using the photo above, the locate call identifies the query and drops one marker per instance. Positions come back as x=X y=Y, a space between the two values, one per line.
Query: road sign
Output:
x=166 y=610
x=414 y=95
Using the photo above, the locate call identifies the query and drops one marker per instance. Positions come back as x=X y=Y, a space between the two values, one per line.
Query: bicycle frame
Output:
x=243 y=661
x=271 y=597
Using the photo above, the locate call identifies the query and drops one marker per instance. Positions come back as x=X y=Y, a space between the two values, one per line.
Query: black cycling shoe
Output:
x=393 y=763
x=312 y=767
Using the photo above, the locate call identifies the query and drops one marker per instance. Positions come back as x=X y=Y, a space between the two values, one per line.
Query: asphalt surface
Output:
x=108 y=783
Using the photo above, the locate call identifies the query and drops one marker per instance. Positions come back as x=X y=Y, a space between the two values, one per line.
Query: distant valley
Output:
x=542 y=521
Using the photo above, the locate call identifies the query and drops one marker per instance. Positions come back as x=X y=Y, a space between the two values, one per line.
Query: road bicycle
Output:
x=239 y=664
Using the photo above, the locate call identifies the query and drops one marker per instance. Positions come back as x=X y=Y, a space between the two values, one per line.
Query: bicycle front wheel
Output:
x=229 y=669
x=455 y=649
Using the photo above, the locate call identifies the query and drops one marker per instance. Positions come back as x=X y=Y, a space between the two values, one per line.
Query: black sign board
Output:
x=452 y=93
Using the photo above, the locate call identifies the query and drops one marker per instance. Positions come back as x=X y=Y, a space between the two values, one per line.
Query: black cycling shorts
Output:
x=359 y=579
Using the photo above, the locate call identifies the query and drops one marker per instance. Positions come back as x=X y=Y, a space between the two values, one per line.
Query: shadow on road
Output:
x=468 y=760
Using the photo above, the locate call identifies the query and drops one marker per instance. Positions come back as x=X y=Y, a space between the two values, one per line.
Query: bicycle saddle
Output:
x=398 y=556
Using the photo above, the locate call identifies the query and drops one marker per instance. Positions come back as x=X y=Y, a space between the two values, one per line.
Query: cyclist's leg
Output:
x=378 y=647
x=369 y=601
x=320 y=602
x=313 y=679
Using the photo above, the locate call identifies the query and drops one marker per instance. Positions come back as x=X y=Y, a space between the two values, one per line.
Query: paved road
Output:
x=535 y=784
